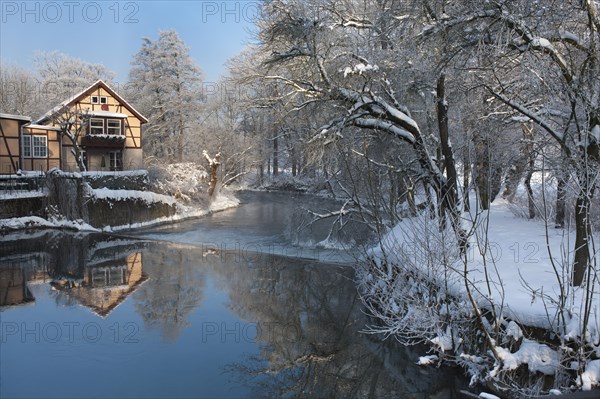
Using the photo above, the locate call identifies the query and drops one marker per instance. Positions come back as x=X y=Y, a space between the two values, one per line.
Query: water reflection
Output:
x=306 y=319
x=13 y=287
x=228 y=324
x=173 y=292
x=94 y=270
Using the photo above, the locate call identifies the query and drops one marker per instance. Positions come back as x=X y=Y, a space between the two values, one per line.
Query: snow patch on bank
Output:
x=9 y=195
x=220 y=203
x=124 y=195
x=29 y=222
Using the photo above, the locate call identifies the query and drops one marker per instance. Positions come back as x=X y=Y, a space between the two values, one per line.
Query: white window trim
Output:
x=95 y=100
x=44 y=146
x=96 y=127
x=28 y=142
x=109 y=129
x=103 y=100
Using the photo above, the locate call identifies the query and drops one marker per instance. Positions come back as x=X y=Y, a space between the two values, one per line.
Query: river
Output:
x=237 y=304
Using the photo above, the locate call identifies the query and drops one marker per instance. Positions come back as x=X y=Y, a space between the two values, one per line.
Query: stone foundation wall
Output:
x=69 y=196
x=108 y=212
x=20 y=207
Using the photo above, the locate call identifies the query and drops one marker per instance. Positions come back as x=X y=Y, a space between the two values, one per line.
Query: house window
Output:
x=99 y=100
x=116 y=160
x=27 y=146
x=96 y=126
x=35 y=146
x=114 y=126
x=40 y=146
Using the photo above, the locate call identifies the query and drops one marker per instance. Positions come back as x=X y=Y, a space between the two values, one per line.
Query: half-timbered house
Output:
x=111 y=138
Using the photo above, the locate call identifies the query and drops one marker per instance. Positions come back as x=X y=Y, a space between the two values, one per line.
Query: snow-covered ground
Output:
x=528 y=266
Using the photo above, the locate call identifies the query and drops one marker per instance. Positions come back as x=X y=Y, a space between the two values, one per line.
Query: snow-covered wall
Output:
x=128 y=207
x=69 y=197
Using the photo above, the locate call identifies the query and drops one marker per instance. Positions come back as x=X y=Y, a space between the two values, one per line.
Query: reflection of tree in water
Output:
x=309 y=318
x=174 y=289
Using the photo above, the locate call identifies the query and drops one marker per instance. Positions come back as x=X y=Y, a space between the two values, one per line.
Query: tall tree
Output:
x=166 y=84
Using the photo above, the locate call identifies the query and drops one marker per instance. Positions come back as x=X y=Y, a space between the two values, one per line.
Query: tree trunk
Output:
x=561 y=187
x=294 y=162
x=582 y=233
x=466 y=173
x=393 y=196
x=449 y=193
x=261 y=173
x=531 y=204
x=275 y=156
x=482 y=168
x=518 y=167
x=213 y=164
x=583 y=226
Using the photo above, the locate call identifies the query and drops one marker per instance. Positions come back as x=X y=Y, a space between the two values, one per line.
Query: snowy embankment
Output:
x=220 y=203
x=184 y=211
x=517 y=268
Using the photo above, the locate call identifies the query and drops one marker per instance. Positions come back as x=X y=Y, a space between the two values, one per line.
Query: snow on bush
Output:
x=591 y=377
x=415 y=285
x=187 y=181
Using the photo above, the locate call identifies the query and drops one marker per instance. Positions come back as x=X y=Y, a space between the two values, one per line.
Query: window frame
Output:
x=103 y=100
x=26 y=145
x=109 y=128
x=92 y=127
x=95 y=100
x=34 y=146
x=115 y=160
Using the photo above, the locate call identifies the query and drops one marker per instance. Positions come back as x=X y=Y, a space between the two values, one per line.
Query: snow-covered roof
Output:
x=106 y=114
x=83 y=93
x=44 y=127
x=16 y=117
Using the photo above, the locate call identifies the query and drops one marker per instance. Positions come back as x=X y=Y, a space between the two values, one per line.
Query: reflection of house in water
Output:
x=95 y=270
x=13 y=287
x=103 y=286
x=16 y=270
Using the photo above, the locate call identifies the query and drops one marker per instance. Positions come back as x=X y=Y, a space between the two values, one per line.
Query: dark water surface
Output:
x=103 y=316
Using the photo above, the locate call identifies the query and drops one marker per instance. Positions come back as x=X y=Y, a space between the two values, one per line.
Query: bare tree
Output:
x=73 y=123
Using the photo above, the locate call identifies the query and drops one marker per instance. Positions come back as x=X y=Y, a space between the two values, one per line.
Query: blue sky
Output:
x=110 y=32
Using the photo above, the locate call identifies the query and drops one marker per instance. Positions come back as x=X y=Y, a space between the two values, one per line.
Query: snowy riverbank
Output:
x=183 y=211
x=517 y=272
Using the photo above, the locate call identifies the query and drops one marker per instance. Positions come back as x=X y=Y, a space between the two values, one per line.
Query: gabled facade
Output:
x=111 y=141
